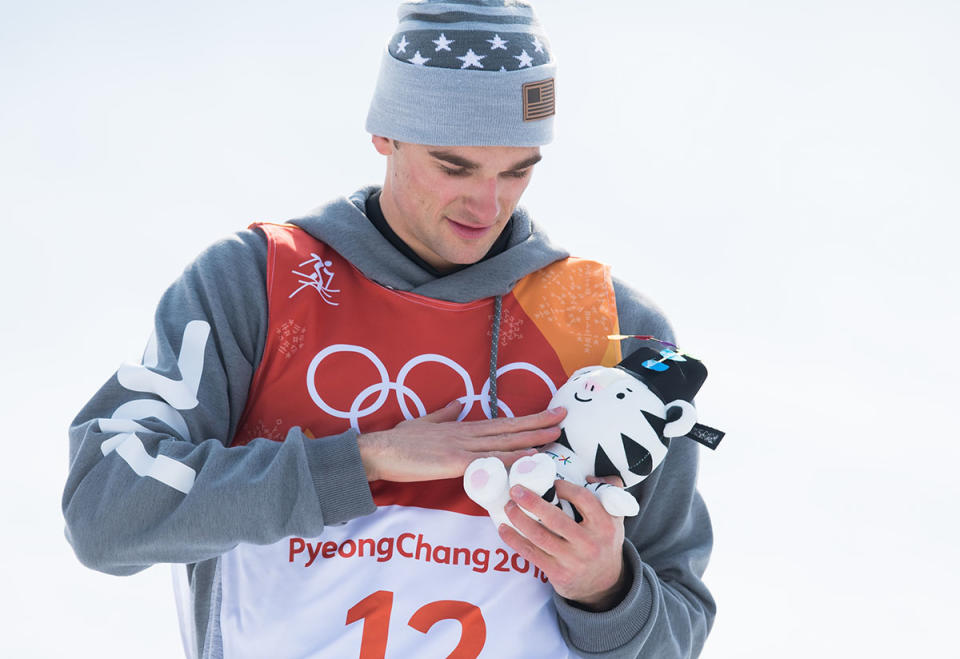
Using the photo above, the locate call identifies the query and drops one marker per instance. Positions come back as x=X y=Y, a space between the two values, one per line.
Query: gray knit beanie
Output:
x=466 y=73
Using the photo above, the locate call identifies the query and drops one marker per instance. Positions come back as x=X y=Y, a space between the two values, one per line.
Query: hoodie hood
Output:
x=343 y=225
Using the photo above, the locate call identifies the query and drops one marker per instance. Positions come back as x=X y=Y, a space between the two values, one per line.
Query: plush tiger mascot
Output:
x=619 y=423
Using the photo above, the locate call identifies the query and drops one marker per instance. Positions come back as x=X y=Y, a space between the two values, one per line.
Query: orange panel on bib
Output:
x=573 y=304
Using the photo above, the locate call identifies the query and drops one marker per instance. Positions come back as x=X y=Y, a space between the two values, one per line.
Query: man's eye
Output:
x=518 y=174
x=454 y=172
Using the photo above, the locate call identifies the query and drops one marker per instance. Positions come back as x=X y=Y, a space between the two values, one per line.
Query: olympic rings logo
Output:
x=404 y=393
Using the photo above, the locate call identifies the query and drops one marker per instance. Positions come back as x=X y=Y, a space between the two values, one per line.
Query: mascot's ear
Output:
x=684 y=423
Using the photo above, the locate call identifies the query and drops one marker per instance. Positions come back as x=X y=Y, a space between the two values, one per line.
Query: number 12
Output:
x=375 y=609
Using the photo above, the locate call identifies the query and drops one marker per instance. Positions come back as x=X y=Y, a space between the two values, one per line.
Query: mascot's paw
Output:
x=485 y=481
x=617 y=501
x=534 y=472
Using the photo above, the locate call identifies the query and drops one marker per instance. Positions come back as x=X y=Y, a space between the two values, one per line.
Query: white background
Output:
x=781 y=177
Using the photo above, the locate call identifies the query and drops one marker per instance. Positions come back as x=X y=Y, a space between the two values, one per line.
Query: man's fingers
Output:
x=616 y=481
x=538 y=534
x=582 y=499
x=552 y=517
x=521 y=440
x=512 y=425
x=448 y=412
x=509 y=448
x=527 y=549
x=512 y=428
x=508 y=457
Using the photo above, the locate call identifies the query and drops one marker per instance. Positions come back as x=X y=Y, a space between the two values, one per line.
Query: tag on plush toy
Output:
x=709 y=437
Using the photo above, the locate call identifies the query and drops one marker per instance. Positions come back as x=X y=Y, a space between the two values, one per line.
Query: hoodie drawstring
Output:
x=494 y=345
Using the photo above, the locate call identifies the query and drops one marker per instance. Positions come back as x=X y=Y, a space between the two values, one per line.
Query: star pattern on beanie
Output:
x=475 y=50
x=418 y=59
x=471 y=59
x=443 y=43
x=497 y=42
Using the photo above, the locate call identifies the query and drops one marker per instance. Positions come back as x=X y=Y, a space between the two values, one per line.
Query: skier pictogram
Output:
x=320 y=280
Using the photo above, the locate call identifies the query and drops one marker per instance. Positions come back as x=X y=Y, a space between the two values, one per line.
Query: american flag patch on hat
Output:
x=539 y=100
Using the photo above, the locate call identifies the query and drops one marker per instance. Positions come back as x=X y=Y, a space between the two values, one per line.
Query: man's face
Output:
x=449 y=204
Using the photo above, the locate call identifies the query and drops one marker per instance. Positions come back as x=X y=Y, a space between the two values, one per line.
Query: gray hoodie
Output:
x=153 y=478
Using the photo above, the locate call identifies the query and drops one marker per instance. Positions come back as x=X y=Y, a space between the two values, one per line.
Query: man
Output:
x=299 y=426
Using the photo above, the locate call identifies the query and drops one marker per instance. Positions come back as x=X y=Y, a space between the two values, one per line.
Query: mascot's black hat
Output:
x=670 y=374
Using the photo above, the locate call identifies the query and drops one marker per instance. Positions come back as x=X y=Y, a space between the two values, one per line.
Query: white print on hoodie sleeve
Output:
x=176 y=394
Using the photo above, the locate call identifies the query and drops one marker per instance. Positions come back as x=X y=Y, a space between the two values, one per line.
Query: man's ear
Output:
x=383 y=145
x=682 y=425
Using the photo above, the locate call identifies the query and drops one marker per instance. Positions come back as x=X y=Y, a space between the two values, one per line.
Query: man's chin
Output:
x=462 y=258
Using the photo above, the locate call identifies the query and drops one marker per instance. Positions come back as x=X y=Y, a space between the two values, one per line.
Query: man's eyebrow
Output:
x=464 y=163
x=529 y=162
x=453 y=159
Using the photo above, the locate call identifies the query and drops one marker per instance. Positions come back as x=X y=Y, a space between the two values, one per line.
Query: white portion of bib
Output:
x=402 y=582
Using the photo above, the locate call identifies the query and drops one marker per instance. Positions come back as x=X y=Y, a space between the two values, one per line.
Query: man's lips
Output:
x=467 y=231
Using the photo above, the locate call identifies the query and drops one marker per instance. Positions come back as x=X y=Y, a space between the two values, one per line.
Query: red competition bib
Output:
x=426 y=575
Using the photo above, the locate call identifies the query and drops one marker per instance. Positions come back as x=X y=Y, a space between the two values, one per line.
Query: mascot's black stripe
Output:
x=577 y=517
x=658 y=425
x=563 y=441
x=550 y=494
x=639 y=458
x=603 y=466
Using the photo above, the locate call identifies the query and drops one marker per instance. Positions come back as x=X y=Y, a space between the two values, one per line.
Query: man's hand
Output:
x=438 y=446
x=584 y=562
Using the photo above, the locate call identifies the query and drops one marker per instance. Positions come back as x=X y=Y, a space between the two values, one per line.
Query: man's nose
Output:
x=483 y=202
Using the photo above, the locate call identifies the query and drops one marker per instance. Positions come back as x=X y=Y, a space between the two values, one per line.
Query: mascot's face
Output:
x=616 y=424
